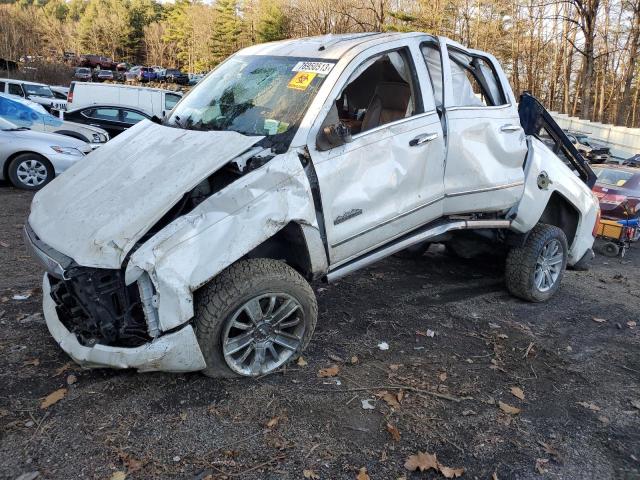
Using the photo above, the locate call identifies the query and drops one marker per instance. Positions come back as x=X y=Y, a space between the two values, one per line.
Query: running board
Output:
x=412 y=238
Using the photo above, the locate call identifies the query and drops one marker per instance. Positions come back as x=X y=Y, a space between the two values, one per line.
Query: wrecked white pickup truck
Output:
x=189 y=244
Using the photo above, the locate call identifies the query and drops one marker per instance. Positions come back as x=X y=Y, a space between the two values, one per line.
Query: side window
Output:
x=2 y=87
x=431 y=54
x=15 y=89
x=381 y=90
x=170 y=101
x=109 y=114
x=475 y=83
x=130 y=117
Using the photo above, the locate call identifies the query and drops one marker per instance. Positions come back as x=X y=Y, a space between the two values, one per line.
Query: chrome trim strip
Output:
x=446 y=195
x=470 y=107
x=386 y=222
x=393 y=124
x=483 y=190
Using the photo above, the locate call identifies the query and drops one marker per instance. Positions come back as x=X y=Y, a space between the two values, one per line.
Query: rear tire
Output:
x=242 y=330
x=534 y=271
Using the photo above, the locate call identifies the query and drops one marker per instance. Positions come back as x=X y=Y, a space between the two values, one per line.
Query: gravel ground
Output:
x=446 y=394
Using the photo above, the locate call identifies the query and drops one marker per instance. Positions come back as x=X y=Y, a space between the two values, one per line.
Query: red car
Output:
x=618 y=189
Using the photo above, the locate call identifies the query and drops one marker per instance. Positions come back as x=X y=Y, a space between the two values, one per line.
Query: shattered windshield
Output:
x=253 y=95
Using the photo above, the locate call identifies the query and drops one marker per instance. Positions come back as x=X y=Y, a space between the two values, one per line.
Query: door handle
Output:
x=422 y=139
x=510 y=128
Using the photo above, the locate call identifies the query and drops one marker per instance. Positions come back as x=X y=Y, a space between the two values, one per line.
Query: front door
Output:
x=388 y=179
x=486 y=144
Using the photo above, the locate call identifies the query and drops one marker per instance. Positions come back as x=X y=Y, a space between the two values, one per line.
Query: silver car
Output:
x=30 y=160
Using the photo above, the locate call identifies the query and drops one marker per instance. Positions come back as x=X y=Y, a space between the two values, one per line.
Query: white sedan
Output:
x=30 y=160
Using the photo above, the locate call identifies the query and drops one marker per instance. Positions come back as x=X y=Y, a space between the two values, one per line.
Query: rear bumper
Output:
x=174 y=352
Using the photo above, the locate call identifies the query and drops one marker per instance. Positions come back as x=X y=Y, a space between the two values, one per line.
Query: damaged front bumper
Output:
x=174 y=352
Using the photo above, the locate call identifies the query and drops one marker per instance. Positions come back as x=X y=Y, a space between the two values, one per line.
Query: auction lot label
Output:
x=321 y=68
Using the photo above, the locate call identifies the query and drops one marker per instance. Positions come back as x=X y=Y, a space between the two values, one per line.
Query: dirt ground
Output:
x=576 y=360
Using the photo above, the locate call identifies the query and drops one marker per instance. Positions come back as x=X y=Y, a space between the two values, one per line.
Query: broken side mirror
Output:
x=333 y=135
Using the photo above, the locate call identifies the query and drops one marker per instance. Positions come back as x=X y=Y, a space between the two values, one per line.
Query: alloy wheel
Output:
x=263 y=334
x=549 y=265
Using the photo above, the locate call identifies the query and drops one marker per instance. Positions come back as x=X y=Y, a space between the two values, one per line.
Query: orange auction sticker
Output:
x=301 y=80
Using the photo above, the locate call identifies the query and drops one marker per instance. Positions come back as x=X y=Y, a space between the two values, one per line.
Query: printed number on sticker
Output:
x=314 y=67
x=301 y=80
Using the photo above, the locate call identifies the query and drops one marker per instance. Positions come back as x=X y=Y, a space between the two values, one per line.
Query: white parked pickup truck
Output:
x=189 y=244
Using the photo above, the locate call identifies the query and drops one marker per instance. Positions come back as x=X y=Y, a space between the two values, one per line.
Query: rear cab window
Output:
x=474 y=80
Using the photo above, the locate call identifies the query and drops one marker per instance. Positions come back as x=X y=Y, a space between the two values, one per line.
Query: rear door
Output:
x=486 y=146
x=387 y=181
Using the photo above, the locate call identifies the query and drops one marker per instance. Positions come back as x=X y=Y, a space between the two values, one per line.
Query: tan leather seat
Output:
x=388 y=104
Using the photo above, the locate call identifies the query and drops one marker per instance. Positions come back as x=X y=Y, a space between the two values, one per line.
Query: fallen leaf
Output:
x=310 y=474
x=362 y=474
x=273 y=422
x=493 y=326
x=430 y=333
x=302 y=362
x=604 y=419
x=506 y=408
x=71 y=379
x=395 y=366
x=335 y=358
x=383 y=346
x=394 y=432
x=331 y=371
x=541 y=464
x=354 y=359
x=503 y=336
x=466 y=413
x=390 y=398
x=598 y=320
x=366 y=404
x=421 y=461
x=631 y=324
x=635 y=403
x=442 y=376
x=118 y=476
x=4 y=244
x=494 y=476
x=548 y=449
x=590 y=406
x=400 y=395
x=33 y=362
x=53 y=397
x=62 y=369
x=517 y=392
x=449 y=472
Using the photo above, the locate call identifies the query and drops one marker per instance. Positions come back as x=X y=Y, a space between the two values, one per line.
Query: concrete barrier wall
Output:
x=624 y=142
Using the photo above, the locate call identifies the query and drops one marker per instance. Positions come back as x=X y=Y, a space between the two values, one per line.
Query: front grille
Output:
x=97 y=306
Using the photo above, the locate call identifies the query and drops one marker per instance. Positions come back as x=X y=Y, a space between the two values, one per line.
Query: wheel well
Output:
x=76 y=135
x=5 y=168
x=288 y=245
x=561 y=213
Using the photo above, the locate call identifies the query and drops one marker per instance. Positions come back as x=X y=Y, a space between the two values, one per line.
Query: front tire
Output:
x=30 y=171
x=535 y=270
x=256 y=316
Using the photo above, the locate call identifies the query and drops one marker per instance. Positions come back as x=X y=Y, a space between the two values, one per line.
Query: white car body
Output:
x=22 y=89
x=387 y=188
x=15 y=141
x=152 y=101
x=28 y=114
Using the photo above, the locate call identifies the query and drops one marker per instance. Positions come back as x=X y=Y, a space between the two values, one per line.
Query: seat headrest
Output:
x=394 y=95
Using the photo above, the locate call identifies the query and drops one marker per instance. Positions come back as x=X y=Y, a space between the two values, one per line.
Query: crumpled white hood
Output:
x=97 y=210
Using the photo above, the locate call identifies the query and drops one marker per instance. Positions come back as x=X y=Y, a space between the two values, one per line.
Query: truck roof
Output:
x=20 y=80
x=325 y=46
x=128 y=87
